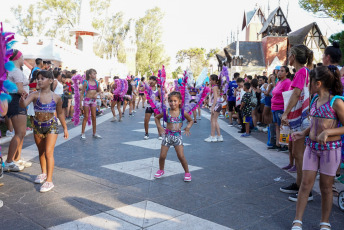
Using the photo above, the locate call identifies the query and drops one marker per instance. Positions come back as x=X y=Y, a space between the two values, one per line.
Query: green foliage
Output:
x=29 y=23
x=212 y=53
x=113 y=31
x=63 y=14
x=196 y=58
x=176 y=72
x=150 y=50
x=331 y=8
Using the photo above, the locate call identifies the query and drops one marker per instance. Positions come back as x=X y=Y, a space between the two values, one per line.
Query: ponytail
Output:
x=310 y=56
x=329 y=77
x=88 y=72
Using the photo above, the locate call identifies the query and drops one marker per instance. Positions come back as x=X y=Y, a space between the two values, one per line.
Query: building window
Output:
x=276 y=49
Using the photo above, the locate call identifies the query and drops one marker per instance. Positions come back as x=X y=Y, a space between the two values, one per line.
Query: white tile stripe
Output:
x=145 y=214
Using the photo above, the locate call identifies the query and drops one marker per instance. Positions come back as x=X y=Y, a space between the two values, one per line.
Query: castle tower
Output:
x=84 y=32
x=253 y=22
x=131 y=49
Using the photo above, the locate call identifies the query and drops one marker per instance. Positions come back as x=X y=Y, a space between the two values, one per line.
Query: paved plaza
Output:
x=108 y=183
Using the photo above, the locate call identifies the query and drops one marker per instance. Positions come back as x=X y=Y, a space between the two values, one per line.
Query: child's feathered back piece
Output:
x=6 y=43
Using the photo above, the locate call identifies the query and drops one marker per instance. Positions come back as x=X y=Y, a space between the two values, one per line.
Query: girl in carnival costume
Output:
x=179 y=110
x=141 y=88
x=90 y=88
x=128 y=97
x=323 y=141
x=215 y=109
x=6 y=86
x=46 y=103
x=153 y=95
x=117 y=99
x=173 y=136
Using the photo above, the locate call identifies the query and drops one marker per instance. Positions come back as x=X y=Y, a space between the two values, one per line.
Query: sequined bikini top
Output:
x=45 y=108
x=174 y=120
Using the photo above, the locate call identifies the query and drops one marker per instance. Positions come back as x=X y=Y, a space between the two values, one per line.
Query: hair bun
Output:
x=335 y=44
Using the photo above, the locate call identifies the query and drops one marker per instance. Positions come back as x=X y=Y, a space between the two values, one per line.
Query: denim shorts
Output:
x=277 y=114
x=268 y=101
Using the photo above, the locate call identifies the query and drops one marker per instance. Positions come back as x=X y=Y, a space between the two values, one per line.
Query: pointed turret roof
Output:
x=276 y=24
x=249 y=15
x=307 y=34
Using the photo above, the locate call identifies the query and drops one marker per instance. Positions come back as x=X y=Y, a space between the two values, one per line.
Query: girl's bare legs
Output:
x=84 y=121
x=133 y=102
x=9 y=124
x=40 y=142
x=298 y=151
x=68 y=107
x=162 y=158
x=146 y=122
x=214 y=124
x=124 y=105
x=50 y=142
x=326 y=183
x=94 y=119
x=180 y=154
x=291 y=158
x=302 y=197
x=14 y=149
x=113 y=103
x=143 y=101
x=119 y=109
x=195 y=115
x=138 y=102
x=199 y=111
x=277 y=134
x=130 y=107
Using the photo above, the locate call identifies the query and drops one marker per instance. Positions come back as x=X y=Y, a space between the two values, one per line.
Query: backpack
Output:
x=254 y=100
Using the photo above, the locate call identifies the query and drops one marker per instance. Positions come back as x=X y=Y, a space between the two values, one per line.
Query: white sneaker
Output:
x=1 y=203
x=12 y=167
x=220 y=138
x=97 y=136
x=26 y=164
x=47 y=186
x=211 y=139
x=83 y=136
x=199 y=118
x=160 y=137
x=40 y=178
x=114 y=119
x=9 y=133
x=265 y=130
x=134 y=111
x=146 y=137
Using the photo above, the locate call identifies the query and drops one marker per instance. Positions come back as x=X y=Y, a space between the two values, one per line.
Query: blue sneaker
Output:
x=245 y=135
x=342 y=165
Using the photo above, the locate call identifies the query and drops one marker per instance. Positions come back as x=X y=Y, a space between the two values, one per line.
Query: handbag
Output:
x=301 y=110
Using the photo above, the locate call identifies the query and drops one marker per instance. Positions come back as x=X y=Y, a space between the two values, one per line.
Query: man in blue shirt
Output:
x=231 y=97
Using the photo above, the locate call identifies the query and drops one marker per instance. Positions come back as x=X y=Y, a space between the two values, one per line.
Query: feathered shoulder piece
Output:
x=191 y=103
x=77 y=80
x=6 y=43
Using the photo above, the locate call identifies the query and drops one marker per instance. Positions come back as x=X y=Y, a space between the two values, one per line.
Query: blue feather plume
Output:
x=9 y=66
x=10 y=87
x=5 y=97
x=10 y=44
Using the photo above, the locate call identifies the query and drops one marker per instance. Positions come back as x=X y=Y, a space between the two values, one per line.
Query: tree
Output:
x=150 y=54
x=113 y=33
x=29 y=23
x=63 y=15
x=330 y=8
x=212 y=53
x=195 y=57
x=176 y=72
x=340 y=38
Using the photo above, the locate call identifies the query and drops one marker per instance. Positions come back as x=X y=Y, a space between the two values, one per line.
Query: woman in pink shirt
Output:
x=277 y=103
x=299 y=56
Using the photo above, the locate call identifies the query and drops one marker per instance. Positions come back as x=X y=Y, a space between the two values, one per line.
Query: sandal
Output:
x=328 y=226
x=297 y=227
